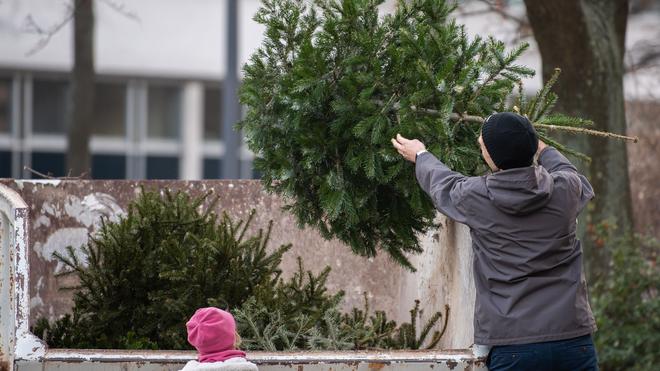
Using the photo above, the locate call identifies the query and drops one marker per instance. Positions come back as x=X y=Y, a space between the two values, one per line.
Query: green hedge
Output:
x=627 y=305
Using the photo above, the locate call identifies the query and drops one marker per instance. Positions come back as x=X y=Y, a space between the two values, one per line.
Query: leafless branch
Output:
x=122 y=9
x=500 y=10
x=643 y=55
x=464 y=117
x=46 y=34
x=49 y=176
x=523 y=26
x=37 y=173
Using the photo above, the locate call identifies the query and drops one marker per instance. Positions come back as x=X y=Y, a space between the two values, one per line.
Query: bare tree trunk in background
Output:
x=585 y=38
x=82 y=94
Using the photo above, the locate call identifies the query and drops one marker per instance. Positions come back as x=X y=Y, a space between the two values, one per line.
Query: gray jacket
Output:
x=527 y=258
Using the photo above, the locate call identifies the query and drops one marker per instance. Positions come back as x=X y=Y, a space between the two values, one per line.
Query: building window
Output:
x=164 y=112
x=108 y=167
x=5 y=164
x=109 y=109
x=212 y=168
x=212 y=115
x=50 y=105
x=5 y=105
x=250 y=172
x=162 y=167
x=49 y=163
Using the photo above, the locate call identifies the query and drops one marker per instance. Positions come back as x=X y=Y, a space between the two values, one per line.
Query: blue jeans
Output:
x=577 y=354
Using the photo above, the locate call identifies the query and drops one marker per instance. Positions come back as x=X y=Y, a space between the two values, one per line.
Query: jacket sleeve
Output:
x=447 y=188
x=553 y=161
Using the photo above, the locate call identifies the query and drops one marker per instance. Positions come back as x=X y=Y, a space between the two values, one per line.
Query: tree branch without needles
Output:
x=479 y=120
x=31 y=26
x=46 y=34
x=523 y=27
x=49 y=176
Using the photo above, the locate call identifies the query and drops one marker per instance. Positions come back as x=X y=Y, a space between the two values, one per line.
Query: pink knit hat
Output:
x=212 y=332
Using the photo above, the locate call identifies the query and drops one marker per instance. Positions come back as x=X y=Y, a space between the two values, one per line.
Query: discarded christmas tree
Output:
x=141 y=277
x=331 y=84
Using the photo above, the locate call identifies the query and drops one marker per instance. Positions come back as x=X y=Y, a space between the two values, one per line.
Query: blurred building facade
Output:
x=160 y=69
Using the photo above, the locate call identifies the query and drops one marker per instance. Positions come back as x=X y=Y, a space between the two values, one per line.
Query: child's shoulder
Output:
x=232 y=364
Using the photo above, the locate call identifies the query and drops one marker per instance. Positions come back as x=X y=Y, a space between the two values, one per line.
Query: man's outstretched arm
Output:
x=553 y=161
x=446 y=187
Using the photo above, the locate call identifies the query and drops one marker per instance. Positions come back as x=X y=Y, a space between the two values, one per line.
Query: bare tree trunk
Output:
x=585 y=38
x=78 y=154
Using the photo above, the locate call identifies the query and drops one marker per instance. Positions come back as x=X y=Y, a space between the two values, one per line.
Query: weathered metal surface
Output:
x=63 y=213
x=350 y=366
x=7 y=303
x=444 y=276
x=16 y=341
x=307 y=361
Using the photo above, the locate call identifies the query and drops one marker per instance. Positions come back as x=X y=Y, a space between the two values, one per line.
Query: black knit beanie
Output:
x=510 y=140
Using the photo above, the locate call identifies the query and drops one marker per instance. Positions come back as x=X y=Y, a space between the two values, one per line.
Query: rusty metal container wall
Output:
x=340 y=366
x=7 y=305
x=444 y=276
x=16 y=341
x=110 y=360
x=63 y=213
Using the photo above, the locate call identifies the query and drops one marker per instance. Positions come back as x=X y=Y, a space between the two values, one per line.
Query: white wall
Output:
x=169 y=38
x=185 y=38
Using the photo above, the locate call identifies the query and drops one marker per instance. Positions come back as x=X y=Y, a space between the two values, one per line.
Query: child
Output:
x=212 y=332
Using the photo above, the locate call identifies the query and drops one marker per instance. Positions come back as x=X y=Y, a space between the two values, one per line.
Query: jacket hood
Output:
x=520 y=191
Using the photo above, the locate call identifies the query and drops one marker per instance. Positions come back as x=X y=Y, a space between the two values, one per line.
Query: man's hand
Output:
x=408 y=148
x=542 y=146
x=540 y=149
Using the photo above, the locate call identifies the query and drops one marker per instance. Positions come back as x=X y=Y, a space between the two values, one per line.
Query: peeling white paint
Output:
x=19 y=243
x=47 y=208
x=92 y=208
x=36 y=300
x=480 y=351
x=325 y=360
x=29 y=347
x=22 y=343
x=58 y=242
x=52 y=182
x=42 y=220
x=40 y=283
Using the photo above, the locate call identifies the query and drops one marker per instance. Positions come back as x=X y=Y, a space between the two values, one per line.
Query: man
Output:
x=531 y=304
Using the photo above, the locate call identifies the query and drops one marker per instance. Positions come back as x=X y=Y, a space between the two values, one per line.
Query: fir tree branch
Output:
x=321 y=138
x=457 y=117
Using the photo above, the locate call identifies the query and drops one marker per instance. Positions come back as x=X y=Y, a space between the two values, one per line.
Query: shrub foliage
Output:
x=626 y=306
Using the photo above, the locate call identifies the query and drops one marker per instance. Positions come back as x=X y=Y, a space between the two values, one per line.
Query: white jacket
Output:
x=232 y=364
